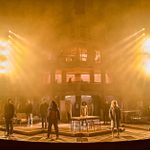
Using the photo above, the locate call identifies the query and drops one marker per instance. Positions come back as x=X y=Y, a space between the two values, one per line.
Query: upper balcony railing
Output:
x=64 y=62
x=79 y=88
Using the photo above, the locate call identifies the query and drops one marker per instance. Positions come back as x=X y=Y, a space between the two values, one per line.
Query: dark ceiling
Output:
x=49 y=23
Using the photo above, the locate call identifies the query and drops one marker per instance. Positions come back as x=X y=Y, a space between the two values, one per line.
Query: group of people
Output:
x=50 y=115
x=112 y=111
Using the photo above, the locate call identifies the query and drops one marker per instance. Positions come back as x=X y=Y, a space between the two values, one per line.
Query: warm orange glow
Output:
x=4 y=53
x=3 y=71
x=18 y=37
x=145 y=56
x=5 y=50
x=146 y=45
x=5 y=64
x=4 y=67
x=147 y=66
x=3 y=44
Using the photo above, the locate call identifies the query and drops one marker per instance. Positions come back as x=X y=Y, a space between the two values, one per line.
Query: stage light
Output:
x=3 y=44
x=10 y=36
x=128 y=39
x=19 y=37
x=4 y=64
x=4 y=67
x=4 y=53
x=5 y=50
x=3 y=71
x=146 y=45
x=147 y=66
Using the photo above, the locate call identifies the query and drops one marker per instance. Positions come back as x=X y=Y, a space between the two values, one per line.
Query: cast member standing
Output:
x=53 y=118
x=115 y=116
x=9 y=112
x=43 y=113
x=90 y=108
x=106 y=112
x=29 y=109
x=84 y=112
x=84 y=109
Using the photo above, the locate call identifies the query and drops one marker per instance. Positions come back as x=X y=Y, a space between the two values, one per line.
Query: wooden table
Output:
x=81 y=119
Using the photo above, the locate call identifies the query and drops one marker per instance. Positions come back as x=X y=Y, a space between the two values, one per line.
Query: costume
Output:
x=9 y=114
x=115 y=116
x=53 y=118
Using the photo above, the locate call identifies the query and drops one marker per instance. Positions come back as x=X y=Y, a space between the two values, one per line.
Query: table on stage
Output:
x=88 y=120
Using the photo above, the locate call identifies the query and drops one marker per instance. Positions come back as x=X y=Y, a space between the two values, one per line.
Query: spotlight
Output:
x=143 y=34
x=9 y=36
x=143 y=29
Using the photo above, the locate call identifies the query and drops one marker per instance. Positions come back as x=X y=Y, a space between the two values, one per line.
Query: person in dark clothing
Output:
x=43 y=113
x=9 y=112
x=53 y=118
x=106 y=112
x=29 y=109
x=70 y=80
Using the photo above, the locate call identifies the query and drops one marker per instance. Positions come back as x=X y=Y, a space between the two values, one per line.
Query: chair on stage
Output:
x=97 y=124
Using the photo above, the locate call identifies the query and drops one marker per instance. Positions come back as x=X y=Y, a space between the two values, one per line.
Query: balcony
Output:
x=78 y=88
x=61 y=63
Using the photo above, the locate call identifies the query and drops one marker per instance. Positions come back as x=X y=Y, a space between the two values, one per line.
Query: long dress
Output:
x=115 y=116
